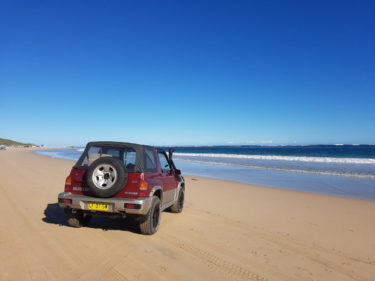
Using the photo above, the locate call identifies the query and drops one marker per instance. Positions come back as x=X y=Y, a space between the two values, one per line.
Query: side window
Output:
x=129 y=159
x=164 y=162
x=150 y=160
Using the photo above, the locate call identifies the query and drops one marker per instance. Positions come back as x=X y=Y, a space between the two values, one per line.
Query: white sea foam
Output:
x=282 y=158
x=317 y=172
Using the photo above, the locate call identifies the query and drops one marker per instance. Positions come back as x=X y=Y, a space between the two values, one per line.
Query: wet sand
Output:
x=227 y=231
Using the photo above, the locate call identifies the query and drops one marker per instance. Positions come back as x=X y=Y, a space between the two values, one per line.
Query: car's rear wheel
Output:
x=178 y=206
x=150 y=223
x=77 y=219
x=106 y=177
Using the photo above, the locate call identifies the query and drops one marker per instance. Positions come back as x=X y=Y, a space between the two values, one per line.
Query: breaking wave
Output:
x=282 y=158
x=349 y=174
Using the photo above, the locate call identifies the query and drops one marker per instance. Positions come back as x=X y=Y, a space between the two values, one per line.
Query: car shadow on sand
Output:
x=54 y=214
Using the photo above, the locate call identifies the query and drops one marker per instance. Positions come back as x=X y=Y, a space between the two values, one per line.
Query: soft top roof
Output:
x=135 y=146
x=140 y=165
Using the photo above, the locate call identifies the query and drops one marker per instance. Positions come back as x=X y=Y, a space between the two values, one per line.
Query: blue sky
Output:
x=187 y=72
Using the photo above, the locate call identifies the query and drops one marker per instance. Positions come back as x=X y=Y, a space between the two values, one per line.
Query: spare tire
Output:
x=106 y=177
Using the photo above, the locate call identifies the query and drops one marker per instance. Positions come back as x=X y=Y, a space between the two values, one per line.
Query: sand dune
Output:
x=228 y=231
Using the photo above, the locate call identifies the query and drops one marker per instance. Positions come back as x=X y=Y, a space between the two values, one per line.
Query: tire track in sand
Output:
x=300 y=248
x=211 y=260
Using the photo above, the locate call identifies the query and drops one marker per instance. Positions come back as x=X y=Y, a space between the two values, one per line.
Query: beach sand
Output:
x=227 y=231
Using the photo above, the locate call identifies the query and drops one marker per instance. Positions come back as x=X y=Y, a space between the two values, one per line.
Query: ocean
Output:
x=340 y=170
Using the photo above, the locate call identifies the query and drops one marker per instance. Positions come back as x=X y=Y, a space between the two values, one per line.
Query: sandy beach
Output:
x=227 y=231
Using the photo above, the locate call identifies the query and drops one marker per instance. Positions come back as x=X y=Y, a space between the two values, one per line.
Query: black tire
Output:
x=115 y=172
x=150 y=223
x=178 y=206
x=77 y=219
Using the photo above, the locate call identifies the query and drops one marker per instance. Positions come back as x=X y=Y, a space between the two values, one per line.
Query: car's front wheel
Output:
x=178 y=206
x=150 y=223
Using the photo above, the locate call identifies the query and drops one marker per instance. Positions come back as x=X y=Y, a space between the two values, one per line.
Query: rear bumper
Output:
x=116 y=205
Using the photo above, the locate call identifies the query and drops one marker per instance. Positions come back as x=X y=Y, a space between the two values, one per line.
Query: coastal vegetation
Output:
x=8 y=142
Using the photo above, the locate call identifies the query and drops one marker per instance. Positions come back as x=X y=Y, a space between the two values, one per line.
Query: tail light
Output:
x=68 y=181
x=68 y=184
x=143 y=187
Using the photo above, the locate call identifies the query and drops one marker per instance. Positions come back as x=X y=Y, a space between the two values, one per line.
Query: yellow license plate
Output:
x=98 y=206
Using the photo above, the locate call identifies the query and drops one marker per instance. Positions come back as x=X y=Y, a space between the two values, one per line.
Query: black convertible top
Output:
x=135 y=146
x=140 y=165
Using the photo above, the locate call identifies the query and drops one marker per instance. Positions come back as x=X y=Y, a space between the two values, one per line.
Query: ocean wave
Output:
x=57 y=154
x=282 y=158
x=293 y=170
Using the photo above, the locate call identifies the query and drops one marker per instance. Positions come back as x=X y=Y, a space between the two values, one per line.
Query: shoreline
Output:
x=194 y=177
x=227 y=231
x=339 y=186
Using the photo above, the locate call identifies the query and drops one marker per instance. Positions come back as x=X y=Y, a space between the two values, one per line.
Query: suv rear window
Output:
x=124 y=154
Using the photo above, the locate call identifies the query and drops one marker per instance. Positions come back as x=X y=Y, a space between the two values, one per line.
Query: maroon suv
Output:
x=123 y=180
